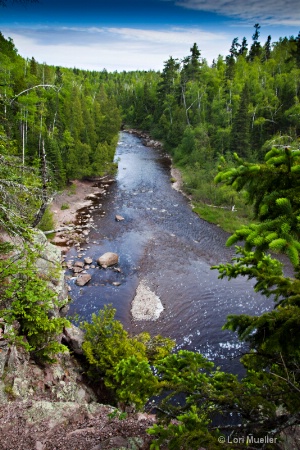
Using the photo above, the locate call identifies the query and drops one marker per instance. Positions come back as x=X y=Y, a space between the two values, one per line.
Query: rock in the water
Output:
x=108 y=259
x=83 y=279
x=146 y=304
x=79 y=264
x=88 y=260
x=116 y=283
x=119 y=218
x=74 y=338
x=77 y=269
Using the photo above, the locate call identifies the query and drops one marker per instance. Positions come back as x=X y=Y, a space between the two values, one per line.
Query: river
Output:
x=165 y=244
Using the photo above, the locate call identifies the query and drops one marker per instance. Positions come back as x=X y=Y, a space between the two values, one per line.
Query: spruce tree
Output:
x=240 y=132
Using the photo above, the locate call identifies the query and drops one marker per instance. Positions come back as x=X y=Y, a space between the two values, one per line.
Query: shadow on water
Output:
x=165 y=244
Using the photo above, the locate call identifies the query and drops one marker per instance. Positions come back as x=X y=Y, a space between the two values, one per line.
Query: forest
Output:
x=232 y=128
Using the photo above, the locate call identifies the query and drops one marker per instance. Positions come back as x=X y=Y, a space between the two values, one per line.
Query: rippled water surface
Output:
x=163 y=242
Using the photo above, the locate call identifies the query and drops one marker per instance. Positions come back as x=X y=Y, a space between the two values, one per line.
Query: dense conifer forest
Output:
x=232 y=127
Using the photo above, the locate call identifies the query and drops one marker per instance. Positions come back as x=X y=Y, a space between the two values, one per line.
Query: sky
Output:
x=119 y=35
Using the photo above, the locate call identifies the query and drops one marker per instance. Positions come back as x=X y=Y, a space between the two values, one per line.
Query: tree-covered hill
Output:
x=66 y=113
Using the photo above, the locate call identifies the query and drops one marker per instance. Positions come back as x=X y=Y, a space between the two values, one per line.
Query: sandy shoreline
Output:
x=66 y=207
x=75 y=197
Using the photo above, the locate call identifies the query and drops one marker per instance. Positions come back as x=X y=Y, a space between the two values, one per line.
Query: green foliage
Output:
x=273 y=336
x=206 y=393
x=157 y=347
x=107 y=343
x=275 y=195
x=134 y=382
x=47 y=223
x=64 y=206
x=123 y=361
x=20 y=193
x=27 y=299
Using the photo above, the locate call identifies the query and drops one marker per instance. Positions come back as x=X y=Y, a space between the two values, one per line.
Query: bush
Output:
x=123 y=361
x=28 y=301
x=47 y=222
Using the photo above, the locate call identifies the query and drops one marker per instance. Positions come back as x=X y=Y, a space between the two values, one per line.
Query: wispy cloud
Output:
x=268 y=12
x=113 y=48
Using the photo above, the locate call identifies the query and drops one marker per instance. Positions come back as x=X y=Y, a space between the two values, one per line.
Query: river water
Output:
x=165 y=244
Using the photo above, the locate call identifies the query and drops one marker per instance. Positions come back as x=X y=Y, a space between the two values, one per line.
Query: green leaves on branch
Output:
x=134 y=382
x=273 y=361
x=123 y=361
x=27 y=299
x=274 y=191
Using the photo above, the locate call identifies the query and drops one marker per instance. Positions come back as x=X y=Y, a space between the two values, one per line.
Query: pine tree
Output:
x=240 y=132
x=255 y=49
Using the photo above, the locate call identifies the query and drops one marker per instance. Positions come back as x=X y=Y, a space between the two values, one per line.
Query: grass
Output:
x=47 y=223
x=72 y=189
x=225 y=218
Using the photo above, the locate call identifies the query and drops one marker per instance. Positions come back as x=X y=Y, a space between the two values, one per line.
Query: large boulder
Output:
x=108 y=259
x=74 y=337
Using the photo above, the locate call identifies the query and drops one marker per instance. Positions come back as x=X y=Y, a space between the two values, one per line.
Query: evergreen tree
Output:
x=240 y=132
x=244 y=47
x=255 y=49
x=191 y=65
x=267 y=49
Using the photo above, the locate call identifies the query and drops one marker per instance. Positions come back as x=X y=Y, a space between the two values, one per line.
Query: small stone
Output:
x=116 y=283
x=79 y=264
x=88 y=260
x=77 y=269
x=119 y=218
x=83 y=279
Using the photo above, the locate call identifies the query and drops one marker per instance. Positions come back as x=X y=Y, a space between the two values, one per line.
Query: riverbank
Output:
x=77 y=199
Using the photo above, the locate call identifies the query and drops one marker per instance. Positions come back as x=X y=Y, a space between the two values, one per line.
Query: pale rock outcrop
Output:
x=74 y=337
x=146 y=304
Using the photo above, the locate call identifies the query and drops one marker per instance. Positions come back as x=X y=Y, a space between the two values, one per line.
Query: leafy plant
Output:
x=29 y=301
x=123 y=361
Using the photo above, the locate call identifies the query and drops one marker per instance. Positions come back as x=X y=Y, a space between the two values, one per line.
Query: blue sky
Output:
x=139 y=34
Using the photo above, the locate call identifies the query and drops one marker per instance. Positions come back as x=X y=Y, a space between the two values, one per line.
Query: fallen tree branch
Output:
x=58 y=230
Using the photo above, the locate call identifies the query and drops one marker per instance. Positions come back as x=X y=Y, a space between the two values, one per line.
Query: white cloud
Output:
x=271 y=12
x=114 y=48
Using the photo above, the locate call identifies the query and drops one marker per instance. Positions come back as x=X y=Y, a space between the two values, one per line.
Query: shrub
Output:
x=47 y=222
x=123 y=361
x=28 y=301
